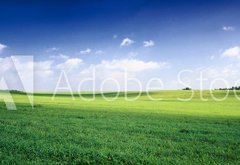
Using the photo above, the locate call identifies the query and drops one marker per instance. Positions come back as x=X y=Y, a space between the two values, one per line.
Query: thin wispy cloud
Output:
x=52 y=49
x=115 y=36
x=212 y=57
x=99 y=52
x=126 y=42
x=87 y=51
x=149 y=43
x=228 y=28
x=60 y=56
x=2 y=47
x=132 y=54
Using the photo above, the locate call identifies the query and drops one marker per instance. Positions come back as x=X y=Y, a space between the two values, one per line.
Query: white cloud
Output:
x=99 y=52
x=118 y=69
x=53 y=49
x=229 y=71
x=87 y=51
x=69 y=64
x=43 y=68
x=47 y=73
x=126 y=42
x=148 y=43
x=6 y=64
x=132 y=65
x=2 y=46
x=18 y=72
x=228 y=28
x=60 y=56
x=232 y=52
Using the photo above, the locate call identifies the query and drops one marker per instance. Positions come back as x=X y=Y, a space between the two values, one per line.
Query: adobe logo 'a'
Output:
x=16 y=73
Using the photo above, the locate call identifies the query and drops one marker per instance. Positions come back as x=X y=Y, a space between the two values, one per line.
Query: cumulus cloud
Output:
x=2 y=46
x=148 y=43
x=228 y=28
x=70 y=64
x=118 y=69
x=232 y=52
x=126 y=42
x=130 y=65
x=47 y=72
x=43 y=69
x=87 y=51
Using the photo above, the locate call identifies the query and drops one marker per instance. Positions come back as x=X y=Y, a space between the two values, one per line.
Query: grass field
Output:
x=169 y=131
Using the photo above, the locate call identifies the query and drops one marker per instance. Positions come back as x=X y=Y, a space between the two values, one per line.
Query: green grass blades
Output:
x=66 y=131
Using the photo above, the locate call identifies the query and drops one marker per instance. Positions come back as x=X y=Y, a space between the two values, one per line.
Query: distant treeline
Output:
x=232 y=88
x=13 y=91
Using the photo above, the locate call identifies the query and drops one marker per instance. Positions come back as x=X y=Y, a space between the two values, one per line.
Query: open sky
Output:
x=149 y=38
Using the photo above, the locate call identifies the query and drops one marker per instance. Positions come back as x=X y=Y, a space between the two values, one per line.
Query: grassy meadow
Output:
x=144 y=131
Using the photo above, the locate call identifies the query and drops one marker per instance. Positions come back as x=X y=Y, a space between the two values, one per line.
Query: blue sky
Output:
x=177 y=35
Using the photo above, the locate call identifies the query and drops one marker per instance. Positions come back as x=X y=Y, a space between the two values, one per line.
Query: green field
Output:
x=66 y=131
